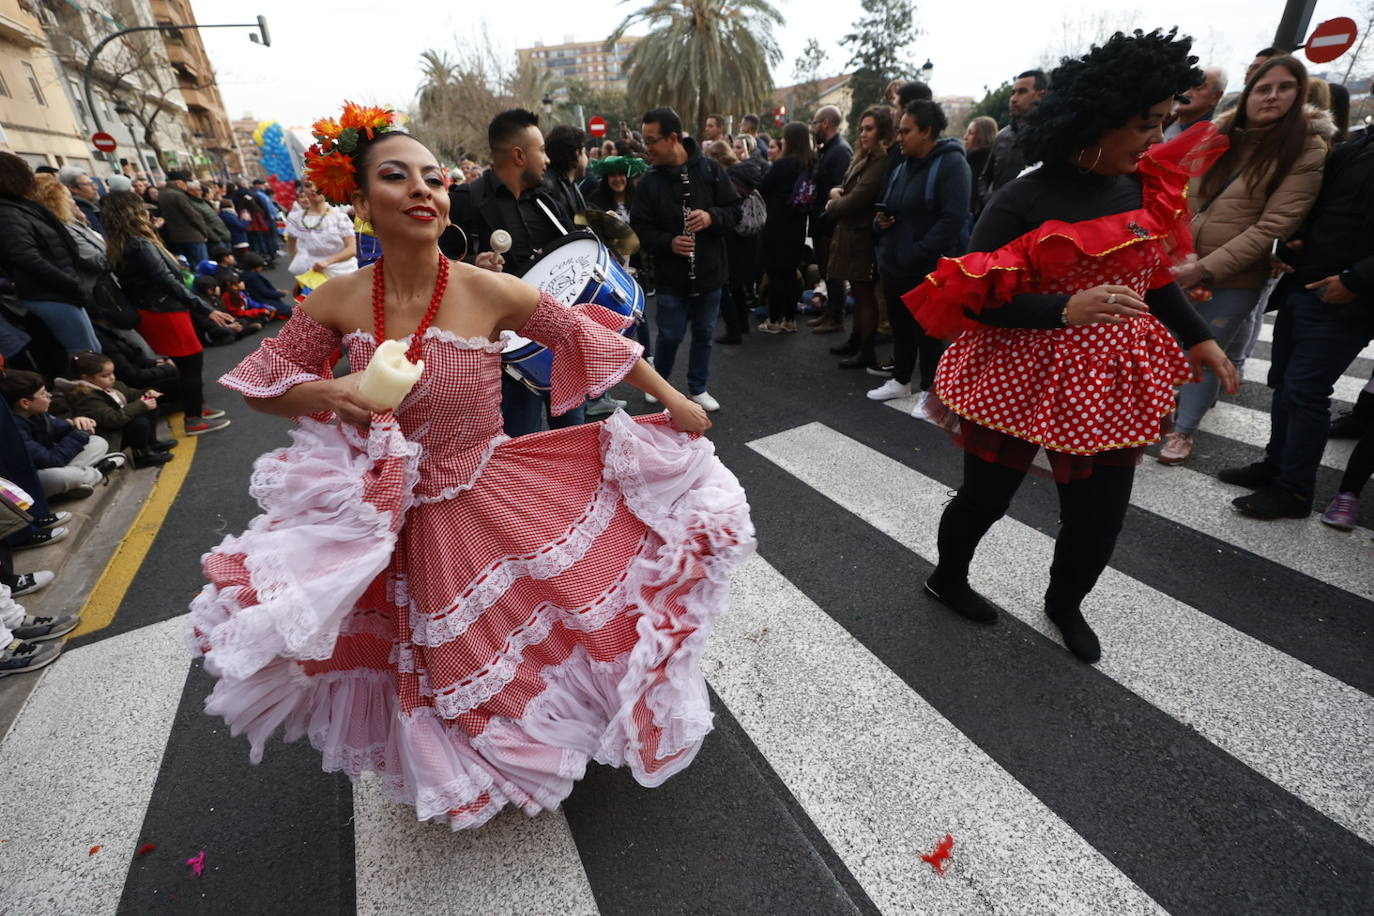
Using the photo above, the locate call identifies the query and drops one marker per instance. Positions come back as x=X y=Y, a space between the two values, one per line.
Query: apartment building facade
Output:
x=588 y=62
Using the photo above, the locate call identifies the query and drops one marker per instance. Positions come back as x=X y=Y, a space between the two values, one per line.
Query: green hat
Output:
x=618 y=165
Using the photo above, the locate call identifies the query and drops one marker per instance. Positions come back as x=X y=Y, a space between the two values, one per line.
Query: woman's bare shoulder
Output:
x=501 y=293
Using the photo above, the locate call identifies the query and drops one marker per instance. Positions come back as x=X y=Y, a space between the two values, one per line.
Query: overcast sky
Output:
x=323 y=53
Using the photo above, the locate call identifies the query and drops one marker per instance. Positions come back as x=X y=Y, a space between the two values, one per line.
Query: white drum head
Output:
x=564 y=272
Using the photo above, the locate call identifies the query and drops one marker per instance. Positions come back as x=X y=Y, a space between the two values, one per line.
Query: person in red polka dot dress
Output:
x=1067 y=318
x=472 y=617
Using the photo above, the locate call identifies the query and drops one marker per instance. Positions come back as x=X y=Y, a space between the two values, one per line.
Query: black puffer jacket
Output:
x=132 y=366
x=150 y=280
x=38 y=253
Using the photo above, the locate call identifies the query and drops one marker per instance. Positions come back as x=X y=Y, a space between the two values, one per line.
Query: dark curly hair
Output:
x=1105 y=88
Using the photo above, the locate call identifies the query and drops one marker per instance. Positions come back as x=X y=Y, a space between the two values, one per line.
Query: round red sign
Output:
x=103 y=142
x=597 y=126
x=1330 y=40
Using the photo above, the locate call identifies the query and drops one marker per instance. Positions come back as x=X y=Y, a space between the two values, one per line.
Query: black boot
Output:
x=956 y=594
x=1078 y=636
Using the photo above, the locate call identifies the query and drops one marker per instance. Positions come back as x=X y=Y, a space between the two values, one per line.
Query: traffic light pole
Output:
x=260 y=25
x=1292 y=31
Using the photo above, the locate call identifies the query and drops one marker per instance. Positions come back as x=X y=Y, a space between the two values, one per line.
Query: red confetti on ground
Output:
x=94 y=850
x=145 y=849
x=197 y=862
x=939 y=859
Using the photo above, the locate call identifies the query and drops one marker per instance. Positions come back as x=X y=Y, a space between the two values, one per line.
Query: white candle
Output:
x=500 y=241
x=389 y=375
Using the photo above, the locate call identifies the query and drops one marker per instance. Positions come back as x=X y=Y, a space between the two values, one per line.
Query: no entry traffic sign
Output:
x=1330 y=40
x=597 y=126
x=103 y=142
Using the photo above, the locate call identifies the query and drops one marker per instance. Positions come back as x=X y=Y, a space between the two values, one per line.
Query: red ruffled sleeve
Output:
x=952 y=296
x=590 y=356
x=303 y=351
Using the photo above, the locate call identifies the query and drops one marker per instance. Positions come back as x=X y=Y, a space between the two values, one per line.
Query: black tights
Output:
x=141 y=432
x=865 y=319
x=1091 y=511
x=784 y=289
x=192 y=391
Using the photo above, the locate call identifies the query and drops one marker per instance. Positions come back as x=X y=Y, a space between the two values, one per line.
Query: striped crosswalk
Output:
x=1220 y=758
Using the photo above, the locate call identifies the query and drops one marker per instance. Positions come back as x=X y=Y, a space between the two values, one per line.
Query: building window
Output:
x=5 y=88
x=33 y=83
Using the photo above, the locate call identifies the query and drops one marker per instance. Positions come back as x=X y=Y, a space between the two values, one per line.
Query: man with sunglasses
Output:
x=682 y=210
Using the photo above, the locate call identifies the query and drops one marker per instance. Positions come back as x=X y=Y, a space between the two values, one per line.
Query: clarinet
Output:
x=686 y=215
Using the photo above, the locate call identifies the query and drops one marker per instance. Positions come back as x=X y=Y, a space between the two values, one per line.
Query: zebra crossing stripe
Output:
x=1242 y=424
x=513 y=864
x=884 y=776
x=1200 y=502
x=1347 y=386
x=1298 y=727
x=1267 y=335
x=77 y=769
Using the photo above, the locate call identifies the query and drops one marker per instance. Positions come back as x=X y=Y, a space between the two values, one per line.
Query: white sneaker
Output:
x=649 y=398
x=923 y=409
x=708 y=403
x=888 y=390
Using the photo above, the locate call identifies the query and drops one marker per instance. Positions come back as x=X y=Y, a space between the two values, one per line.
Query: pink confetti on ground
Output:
x=197 y=862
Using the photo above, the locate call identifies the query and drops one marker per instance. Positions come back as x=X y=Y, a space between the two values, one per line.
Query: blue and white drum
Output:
x=577 y=269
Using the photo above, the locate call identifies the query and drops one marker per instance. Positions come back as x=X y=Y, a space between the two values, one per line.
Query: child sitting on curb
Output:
x=260 y=289
x=125 y=417
x=235 y=302
x=68 y=457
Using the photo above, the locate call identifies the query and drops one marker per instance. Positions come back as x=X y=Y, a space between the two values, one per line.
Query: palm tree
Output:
x=438 y=74
x=702 y=56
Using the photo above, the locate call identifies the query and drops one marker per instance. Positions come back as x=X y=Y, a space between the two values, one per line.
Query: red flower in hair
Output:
x=333 y=174
x=371 y=119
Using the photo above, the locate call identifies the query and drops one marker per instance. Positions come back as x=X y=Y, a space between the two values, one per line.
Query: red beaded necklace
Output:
x=379 y=306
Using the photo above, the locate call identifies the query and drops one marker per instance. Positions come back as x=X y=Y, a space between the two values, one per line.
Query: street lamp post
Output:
x=260 y=25
x=126 y=114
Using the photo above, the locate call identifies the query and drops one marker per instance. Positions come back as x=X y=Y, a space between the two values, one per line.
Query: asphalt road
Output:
x=1220 y=759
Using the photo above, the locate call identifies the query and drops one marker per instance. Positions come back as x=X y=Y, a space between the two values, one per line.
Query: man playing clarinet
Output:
x=682 y=209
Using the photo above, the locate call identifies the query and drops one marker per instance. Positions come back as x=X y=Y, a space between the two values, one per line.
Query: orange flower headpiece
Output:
x=329 y=162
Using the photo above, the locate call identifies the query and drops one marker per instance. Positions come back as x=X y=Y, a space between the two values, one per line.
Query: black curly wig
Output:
x=1105 y=88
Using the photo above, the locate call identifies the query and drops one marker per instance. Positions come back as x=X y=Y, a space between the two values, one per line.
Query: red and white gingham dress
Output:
x=474 y=617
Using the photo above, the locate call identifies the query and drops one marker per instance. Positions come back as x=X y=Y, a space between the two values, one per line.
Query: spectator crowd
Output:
x=112 y=292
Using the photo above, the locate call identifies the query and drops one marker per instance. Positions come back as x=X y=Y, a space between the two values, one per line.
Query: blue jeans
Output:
x=193 y=252
x=69 y=324
x=1227 y=314
x=1314 y=343
x=523 y=411
x=673 y=312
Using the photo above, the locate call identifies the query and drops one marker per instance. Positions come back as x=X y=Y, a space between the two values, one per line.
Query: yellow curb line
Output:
x=104 y=600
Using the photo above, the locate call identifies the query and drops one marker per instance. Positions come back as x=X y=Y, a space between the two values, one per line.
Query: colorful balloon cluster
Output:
x=271 y=139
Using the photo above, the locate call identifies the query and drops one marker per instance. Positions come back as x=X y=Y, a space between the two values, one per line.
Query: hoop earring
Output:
x=1083 y=171
x=365 y=227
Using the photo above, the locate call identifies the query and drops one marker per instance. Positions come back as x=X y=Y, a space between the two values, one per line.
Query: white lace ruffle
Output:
x=312 y=553
x=489 y=585
x=450 y=492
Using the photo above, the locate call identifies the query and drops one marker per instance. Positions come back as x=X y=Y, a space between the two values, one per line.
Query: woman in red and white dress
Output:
x=471 y=616
x=1063 y=312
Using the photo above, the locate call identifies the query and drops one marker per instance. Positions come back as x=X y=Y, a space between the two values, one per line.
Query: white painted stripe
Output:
x=513 y=864
x=884 y=776
x=78 y=767
x=1267 y=335
x=1200 y=502
x=1326 y=41
x=1347 y=386
x=1244 y=424
x=1232 y=421
x=1300 y=728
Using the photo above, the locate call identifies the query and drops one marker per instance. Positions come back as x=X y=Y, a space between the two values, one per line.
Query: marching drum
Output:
x=577 y=269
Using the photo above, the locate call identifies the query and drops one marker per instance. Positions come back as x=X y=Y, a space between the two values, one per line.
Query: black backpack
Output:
x=109 y=303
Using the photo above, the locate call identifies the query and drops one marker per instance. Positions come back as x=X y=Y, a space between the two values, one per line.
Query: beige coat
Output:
x=851 y=248
x=1236 y=231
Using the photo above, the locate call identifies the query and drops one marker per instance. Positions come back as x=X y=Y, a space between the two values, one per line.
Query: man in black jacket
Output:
x=1326 y=316
x=833 y=155
x=511 y=195
x=565 y=148
x=682 y=209
x=1005 y=161
x=183 y=227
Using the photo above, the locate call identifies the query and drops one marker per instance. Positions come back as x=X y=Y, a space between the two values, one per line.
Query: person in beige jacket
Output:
x=852 y=255
x=1258 y=192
